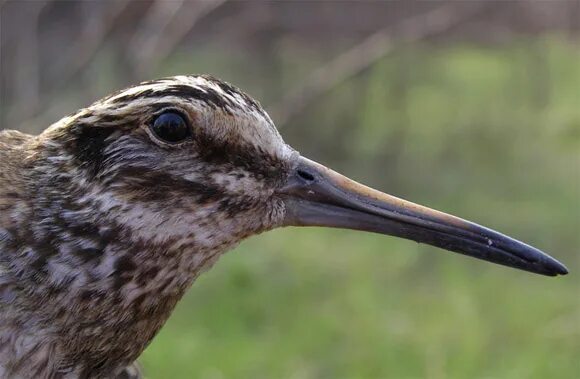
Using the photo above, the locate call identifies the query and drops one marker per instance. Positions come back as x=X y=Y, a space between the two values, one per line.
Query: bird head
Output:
x=187 y=161
x=193 y=164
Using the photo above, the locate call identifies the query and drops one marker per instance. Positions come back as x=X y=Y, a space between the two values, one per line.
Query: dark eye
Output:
x=171 y=127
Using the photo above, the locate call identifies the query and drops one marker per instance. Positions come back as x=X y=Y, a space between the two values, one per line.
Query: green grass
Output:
x=329 y=304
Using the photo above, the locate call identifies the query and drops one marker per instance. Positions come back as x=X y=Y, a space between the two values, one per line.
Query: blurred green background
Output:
x=472 y=108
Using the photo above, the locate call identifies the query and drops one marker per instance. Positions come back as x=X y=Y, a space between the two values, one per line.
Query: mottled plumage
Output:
x=108 y=216
x=103 y=227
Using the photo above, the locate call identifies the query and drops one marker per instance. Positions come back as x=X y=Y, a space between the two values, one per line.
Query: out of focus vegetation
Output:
x=482 y=121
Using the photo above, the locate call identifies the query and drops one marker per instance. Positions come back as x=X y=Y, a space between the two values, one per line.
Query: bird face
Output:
x=195 y=159
x=179 y=159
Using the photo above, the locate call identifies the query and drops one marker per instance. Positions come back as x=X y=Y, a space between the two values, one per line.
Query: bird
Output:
x=109 y=215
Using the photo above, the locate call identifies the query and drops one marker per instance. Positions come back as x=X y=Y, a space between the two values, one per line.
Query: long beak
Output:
x=314 y=195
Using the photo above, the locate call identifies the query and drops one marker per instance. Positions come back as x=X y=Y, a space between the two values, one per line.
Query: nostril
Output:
x=305 y=175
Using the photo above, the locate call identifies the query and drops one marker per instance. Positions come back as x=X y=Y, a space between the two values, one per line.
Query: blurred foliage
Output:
x=491 y=134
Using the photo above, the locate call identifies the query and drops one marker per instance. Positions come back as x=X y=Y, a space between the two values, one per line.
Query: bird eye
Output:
x=171 y=127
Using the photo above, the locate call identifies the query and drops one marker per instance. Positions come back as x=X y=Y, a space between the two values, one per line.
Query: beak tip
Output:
x=563 y=270
x=555 y=268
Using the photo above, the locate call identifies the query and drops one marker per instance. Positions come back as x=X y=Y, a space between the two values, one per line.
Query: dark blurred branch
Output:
x=26 y=76
x=75 y=60
x=92 y=38
x=164 y=27
x=369 y=51
x=150 y=31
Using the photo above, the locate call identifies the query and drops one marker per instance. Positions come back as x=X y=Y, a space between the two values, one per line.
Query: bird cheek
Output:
x=238 y=183
x=272 y=215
